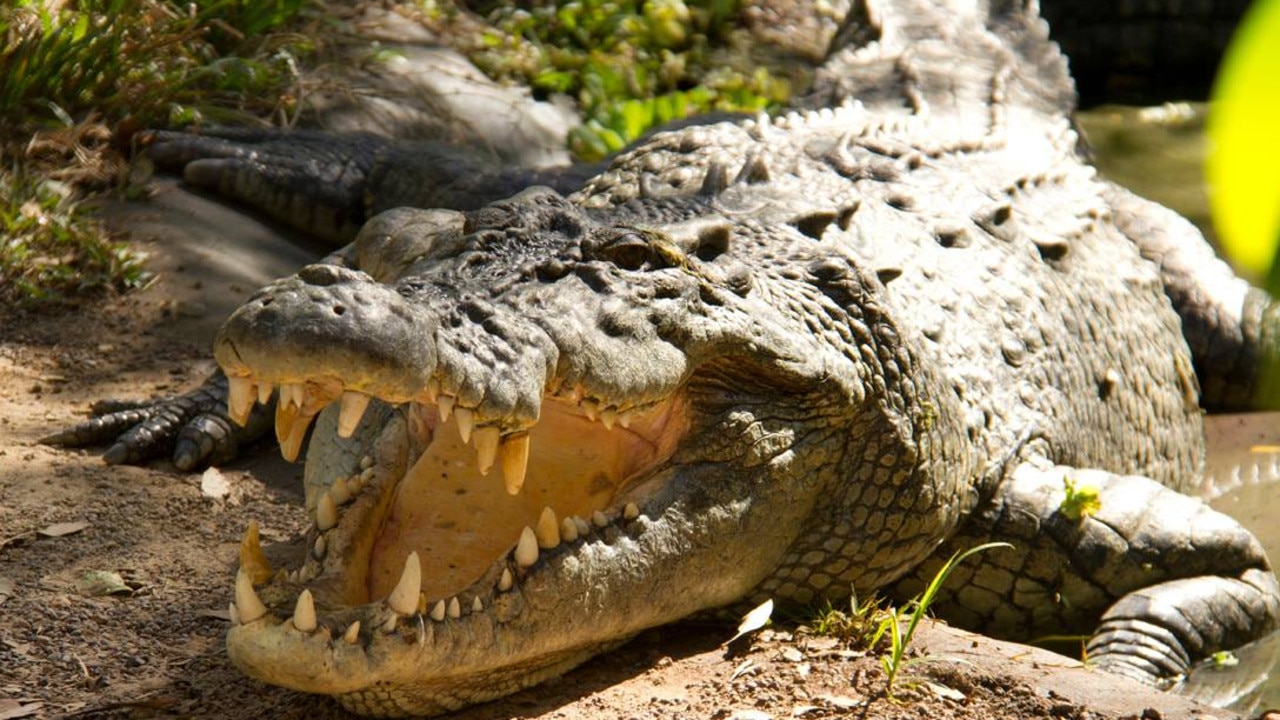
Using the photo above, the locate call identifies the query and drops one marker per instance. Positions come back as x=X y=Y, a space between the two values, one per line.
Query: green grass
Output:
x=98 y=70
x=889 y=630
x=629 y=64
x=53 y=252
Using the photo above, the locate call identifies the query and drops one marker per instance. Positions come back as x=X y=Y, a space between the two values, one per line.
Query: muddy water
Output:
x=1159 y=152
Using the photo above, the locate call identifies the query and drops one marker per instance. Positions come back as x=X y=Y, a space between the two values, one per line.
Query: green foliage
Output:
x=1080 y=501
x=894 y=662
x=630 y=64
x=153 y=60
x=1223 y=659
x=52 y=252
x=125 y=64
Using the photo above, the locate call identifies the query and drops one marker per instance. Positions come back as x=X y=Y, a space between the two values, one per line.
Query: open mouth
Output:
x=445 y=512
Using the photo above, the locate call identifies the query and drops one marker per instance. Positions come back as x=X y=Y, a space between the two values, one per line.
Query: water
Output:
x=1159 y=153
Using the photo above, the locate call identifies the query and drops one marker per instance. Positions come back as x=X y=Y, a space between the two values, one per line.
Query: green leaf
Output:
x=1244 y=196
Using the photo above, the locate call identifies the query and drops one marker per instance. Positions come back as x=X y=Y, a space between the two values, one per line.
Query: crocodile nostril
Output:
x=339 y=309
x=267 y=301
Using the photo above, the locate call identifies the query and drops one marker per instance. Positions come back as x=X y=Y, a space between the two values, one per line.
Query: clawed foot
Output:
x=193 y=427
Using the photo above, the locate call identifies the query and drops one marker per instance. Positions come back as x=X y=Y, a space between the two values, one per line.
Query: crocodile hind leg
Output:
x=1155 y=579
x=1232 y=329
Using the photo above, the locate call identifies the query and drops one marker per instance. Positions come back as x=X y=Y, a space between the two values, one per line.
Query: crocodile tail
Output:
x=960 y=59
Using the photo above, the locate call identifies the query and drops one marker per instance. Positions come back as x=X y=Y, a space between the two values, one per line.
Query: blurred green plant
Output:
x=1243 y=167
x=630 y=64
x=156 y=61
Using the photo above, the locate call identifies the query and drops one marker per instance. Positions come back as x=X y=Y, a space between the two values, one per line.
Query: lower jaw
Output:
x=359 y=646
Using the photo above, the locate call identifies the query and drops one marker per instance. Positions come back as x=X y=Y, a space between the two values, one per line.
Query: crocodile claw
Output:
x=193 y=428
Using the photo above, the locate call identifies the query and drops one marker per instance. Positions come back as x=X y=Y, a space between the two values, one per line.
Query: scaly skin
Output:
x=764 y=359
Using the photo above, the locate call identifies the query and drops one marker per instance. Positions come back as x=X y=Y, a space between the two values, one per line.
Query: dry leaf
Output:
x=754 y=620
x=214 y=484
x=62 y=529
x=96 y=583
x=943 y=691
x=13 y=709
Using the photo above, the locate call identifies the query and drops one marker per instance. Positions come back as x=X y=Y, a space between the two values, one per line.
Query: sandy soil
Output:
x=114 y=581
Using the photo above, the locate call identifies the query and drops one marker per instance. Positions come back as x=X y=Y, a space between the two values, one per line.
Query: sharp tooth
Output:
x=389 y=626
x=404 y=599
x=487 y=440
x=445 y=403
x=292 y=394
x=466 y=422
x=455 y=609
x=326 y=513
x=506 y=581
x=568 y=530
x=599 y=520
x=608 y=416
x=631 y=511
x=624 y=419
x=247 y=601
x=318 y=549
x=233 y=614
x=437 y=612
x=547 y=530
x=240 y=395
x=295 y=431
x=340 y=491
x=264 y=393
x=366 y=462
x=433 y=390
x=252 y=559
x=584 y=527
x=353 y=407
x=352 y=634
x=477 y=605
x=286 y=414
x=590 y=408
x=527 y=548
x=304 y=613
x=514 y=451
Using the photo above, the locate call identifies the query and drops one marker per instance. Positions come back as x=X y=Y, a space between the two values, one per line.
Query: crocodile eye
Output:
x=628 y=251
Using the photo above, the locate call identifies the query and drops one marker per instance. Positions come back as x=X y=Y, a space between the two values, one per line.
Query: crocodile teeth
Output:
x=293 y=394
x=326 y=513
x=455 y=608
x=240 y=397
x=304 y=613
x=466 y=422
x=352 y=634
x=599 y=519
x=624 y=419
x=264 y=393
x=248 y=604
x=353 y=407
x=445 y=403
x=477 y=605
x=591 y=409
x=233 y=614
x=527 y=548
x=320 y=547
x=506 y=581
x=340 y=491
x=583 y=526
x=438 y=611
x=433 y=390
x=608 y=416
x=568 y=530
x=404 y=598
x=514 y=451
x=547 y=530
x=487 y=440
x=252 y=559
x=631 y=511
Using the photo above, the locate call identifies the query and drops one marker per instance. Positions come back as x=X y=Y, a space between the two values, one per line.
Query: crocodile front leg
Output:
x=1157 y=580
x=194 y=427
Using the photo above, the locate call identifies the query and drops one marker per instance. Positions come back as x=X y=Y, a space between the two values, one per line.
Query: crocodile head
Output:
x=549 y=428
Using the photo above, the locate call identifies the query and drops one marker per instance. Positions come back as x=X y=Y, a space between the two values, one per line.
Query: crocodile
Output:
x=782 y=358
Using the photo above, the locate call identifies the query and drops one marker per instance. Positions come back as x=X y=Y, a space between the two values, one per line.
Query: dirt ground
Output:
x=114 y=581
